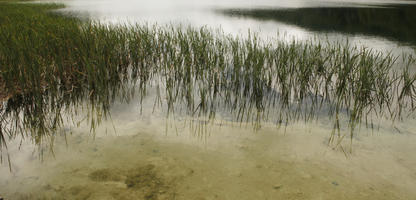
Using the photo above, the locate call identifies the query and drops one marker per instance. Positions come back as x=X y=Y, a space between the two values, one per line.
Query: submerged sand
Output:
x=151 y=158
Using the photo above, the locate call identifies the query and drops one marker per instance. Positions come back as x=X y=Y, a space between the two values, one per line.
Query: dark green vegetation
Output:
x=53 y=68
x=394 y=22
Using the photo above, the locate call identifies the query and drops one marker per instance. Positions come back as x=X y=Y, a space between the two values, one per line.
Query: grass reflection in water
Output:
x=54 y=67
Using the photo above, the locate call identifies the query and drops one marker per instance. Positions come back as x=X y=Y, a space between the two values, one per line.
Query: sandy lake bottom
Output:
x=154 y=158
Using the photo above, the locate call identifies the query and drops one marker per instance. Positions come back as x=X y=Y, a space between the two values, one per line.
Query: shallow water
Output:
x=140 y=154
x=146 y=156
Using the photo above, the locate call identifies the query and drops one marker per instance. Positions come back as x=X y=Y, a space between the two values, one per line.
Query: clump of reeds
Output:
x=50 y=64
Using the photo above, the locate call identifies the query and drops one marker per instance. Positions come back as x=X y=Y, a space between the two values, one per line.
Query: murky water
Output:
x=141 y=154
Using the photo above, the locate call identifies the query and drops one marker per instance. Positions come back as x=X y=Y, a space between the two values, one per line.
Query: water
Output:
x=231 y=162
x=210 y=14
x=141 y=154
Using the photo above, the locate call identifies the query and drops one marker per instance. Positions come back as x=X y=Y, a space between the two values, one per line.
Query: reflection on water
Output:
x=204 y=13
x=211 y=146
x=205 y=76
x=141 y=154
x=395 y=22
x=143 y=161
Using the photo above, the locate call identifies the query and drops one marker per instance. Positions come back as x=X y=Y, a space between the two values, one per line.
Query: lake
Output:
x=354 y=16
x=139 y=146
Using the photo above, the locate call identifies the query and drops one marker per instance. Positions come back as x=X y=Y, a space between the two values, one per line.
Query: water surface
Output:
x=148 y=157
x=138 y=153
x=383 y=25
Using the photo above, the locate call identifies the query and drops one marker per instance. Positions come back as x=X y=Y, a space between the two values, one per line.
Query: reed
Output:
x=51 y=65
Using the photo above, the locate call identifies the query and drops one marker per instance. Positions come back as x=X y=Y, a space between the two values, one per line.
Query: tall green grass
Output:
x=51 y=64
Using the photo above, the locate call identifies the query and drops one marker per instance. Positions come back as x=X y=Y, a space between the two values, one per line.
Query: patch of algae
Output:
x=146 y=179
x=143 y=182
x=103 y=175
